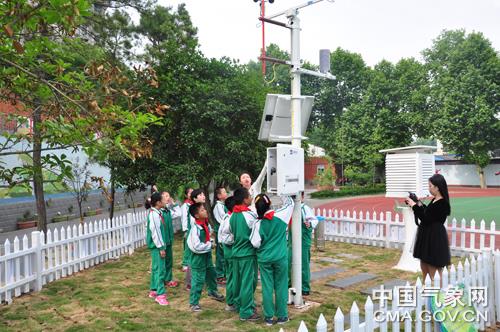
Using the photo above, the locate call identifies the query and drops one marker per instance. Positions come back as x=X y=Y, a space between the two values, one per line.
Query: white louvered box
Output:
x=408 y=169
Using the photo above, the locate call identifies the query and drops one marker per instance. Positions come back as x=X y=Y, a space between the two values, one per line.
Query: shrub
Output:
x=325 y=178
x=349 y=191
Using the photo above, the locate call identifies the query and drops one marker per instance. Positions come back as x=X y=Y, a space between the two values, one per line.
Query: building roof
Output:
x=315 y=151
x=407 y=149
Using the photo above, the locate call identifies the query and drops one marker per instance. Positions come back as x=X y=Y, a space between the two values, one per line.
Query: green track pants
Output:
x=158 y=272
x=274 y=278
x=245 y=277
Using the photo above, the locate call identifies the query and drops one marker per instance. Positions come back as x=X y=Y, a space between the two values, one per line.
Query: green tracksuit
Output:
x=269 y=236
x=227 y=246
x=220 y=211
x=202 y=268
x=186 y=226
x=156 y=236
x=168 y=215
x=244 y=260
x=307 y=215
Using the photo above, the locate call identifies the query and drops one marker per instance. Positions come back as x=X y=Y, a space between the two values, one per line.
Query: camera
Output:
x=413 y=197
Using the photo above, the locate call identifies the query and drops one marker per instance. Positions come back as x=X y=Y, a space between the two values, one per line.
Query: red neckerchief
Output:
x=229 y=213
x=240 y=208
x=190 y=202
x=269 y=215
x=204 y=223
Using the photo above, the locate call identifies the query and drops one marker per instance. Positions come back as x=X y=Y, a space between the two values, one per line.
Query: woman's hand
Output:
x=409 y=202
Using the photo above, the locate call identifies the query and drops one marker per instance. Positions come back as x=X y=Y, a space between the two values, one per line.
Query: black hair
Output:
x=240 y=194
x=155 y=198
x=147 y=204
x=439 y=181
x=262 y=204
x=229 y=203
x=186 y=192
x=195 y=193
x=193 y=209
x=152 y=188
x=245 y=172
x=218 y=190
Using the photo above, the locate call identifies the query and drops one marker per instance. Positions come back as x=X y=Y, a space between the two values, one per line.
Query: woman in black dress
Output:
x=431 y=244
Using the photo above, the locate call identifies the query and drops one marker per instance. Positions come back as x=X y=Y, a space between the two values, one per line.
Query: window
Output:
x=320 y=169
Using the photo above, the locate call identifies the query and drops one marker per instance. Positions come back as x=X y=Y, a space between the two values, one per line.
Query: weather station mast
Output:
x=285 y=119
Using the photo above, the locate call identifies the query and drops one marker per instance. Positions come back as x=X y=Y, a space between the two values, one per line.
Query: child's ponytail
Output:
x=262 y=204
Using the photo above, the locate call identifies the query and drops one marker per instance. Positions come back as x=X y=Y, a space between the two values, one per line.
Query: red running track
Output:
x=380 y=203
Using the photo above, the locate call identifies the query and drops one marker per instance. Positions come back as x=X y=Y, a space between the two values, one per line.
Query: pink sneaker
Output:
x=162 y=300
x=152 y=294
x=172 y=284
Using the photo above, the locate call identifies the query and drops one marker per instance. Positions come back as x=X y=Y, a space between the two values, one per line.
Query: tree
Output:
x=465 y=79
x=68 y=90
x=373 y=123
x=334 y=97
x=80 y=184
x=209 y=134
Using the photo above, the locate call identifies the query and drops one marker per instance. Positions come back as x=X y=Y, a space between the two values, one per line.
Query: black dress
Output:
x=431 y=244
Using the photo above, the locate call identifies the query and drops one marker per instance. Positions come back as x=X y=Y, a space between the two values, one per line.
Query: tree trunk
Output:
x=37 y=171
x=79 y=201
x=132 y=199
x=112 y=203
x=208 y=204
x=339 y=174
x=482 y=178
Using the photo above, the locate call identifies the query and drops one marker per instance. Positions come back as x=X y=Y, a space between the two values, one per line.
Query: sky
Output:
x=384 y=29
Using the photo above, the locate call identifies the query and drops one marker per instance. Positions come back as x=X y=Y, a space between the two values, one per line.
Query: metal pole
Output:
x=263 y=51
x=294 y=23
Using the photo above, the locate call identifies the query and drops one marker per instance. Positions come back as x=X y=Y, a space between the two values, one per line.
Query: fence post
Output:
x=302 y=327
x=354 y=315
x=129 y=234
x=496 y=266
x=388 y=217
x=37 y=261
x=338 y=321
x=322 y=325
x=369 y=315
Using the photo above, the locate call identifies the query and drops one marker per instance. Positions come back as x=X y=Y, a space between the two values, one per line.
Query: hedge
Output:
x=349 y=191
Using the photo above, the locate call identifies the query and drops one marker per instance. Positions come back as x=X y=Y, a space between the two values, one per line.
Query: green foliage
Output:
x=215 y=107
x=356 y=176
x=325 y=178
x=465 y=72
x=349 y=191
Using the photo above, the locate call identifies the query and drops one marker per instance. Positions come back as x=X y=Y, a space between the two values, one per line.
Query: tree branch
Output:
x=31 y=151
x=52 y=86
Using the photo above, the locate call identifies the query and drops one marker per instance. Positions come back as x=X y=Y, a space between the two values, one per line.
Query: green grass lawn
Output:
x=477 y=208
x=113 y=296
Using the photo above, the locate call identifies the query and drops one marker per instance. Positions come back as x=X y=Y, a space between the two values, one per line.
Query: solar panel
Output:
x=276 y=118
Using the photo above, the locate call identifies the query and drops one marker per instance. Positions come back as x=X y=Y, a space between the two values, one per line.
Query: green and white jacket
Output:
x=269 y=235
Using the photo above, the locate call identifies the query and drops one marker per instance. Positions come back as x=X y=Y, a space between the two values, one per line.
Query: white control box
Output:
x=285 y=170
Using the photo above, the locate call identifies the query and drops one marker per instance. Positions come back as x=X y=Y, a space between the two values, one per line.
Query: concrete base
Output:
x=305 y=307
x=407 y=262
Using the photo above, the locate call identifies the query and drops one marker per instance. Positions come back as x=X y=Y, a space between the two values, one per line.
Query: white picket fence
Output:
x=388 y=230
x=483 y=271
x=26 y=267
